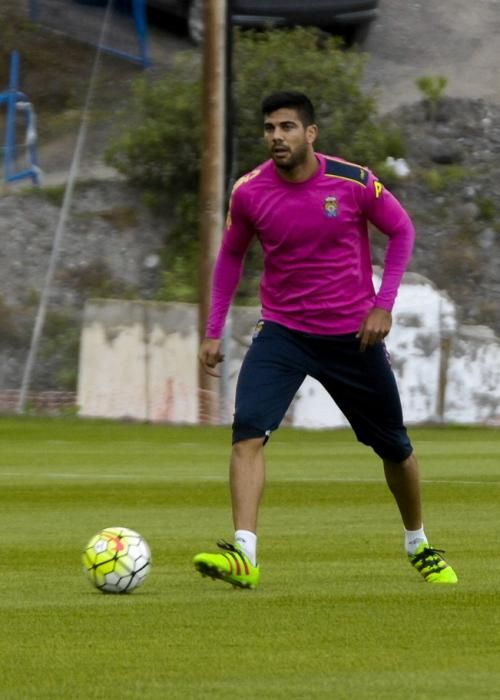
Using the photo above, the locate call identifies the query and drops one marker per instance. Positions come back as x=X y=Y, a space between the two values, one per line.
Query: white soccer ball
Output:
x=117 y=560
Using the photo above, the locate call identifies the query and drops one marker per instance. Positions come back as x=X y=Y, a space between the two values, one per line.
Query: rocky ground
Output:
x=453 y=195
x=112 y=244
x=111 y=247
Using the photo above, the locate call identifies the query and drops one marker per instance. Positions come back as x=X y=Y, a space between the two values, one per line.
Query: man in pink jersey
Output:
x=321 y=317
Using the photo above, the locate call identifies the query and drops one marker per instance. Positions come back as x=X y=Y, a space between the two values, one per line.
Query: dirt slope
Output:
x=456 y=38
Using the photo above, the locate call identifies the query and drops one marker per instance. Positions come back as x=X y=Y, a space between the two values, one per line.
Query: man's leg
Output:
x=403 y=481
x=237 y=564
x=246 y=479
x=272 y=371
x=364 y=387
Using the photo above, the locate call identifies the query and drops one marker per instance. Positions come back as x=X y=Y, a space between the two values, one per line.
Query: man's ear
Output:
x=311 y=133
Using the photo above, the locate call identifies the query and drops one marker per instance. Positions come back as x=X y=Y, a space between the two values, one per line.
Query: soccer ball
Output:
x=117 y=560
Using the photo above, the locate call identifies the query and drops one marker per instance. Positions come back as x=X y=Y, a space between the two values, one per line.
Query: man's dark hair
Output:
x=290 y=100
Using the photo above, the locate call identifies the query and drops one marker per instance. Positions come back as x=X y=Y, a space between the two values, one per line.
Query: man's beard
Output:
x=296 y=159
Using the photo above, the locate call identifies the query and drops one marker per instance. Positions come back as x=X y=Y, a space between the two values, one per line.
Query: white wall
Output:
x=139 y=360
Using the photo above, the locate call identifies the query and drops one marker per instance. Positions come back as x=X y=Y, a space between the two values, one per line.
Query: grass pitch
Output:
x=339 y=613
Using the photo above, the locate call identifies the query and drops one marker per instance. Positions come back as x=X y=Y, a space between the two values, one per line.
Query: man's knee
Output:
x=250 y=446
x=391 y=445
x=407 y=462
x=249 y=427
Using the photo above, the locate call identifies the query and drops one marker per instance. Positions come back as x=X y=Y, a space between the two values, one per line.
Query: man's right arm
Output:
x=226 y=276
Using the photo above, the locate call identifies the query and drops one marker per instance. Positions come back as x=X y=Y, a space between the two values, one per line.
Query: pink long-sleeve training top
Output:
x=314 y=234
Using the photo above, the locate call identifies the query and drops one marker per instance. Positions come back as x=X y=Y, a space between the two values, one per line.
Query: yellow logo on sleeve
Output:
x=378 y=188
x=241 y=181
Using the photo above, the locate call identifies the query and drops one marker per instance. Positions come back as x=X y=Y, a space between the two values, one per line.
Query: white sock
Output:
x=247 y=541
x=414 y=538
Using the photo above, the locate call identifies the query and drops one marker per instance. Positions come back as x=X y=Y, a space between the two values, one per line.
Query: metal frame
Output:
x=141 y=28
x=17 y=101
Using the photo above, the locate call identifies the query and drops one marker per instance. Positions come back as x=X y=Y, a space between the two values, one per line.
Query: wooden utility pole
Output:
x=212 y=189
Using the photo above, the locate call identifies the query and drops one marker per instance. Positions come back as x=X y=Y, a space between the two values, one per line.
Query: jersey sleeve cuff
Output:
x=384 y=304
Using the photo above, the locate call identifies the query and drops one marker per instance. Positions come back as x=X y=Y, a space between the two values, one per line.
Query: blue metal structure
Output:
x=137 y=9
x=16 y=102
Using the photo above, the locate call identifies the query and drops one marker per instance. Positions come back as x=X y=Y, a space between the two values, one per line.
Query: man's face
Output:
x=287 y=139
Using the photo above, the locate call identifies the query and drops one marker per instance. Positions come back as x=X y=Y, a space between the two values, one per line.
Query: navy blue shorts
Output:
x=362 y=385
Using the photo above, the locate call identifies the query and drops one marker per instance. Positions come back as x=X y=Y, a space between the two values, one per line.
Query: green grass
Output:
x=339 y=613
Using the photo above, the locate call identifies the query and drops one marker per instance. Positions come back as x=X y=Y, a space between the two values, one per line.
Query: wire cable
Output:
x=63 y=216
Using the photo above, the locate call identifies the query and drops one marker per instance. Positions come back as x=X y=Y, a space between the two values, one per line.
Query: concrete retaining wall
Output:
x=139 y=360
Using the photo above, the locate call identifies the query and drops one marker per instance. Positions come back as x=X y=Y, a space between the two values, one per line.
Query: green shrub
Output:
x=54 y=194
x=439 y=179
x=161 y=152
x=433 y=88
x=59 y=351
x=9 y=334
x=487 y=209
x=433 y=180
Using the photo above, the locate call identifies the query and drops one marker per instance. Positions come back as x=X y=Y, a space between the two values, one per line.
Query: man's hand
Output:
x=209 y=355
x=374 y=328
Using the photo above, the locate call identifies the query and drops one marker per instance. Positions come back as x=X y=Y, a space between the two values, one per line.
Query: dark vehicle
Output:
x=349 y=18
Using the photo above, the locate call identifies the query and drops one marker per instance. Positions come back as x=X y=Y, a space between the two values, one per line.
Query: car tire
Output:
x=357 y=34
x=96 y=3
x=195 y=21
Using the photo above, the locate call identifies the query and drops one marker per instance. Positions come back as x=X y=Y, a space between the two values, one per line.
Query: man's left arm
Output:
x=389 y=216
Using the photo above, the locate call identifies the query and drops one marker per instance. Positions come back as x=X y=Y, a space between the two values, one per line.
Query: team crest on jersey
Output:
x=330 y=206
